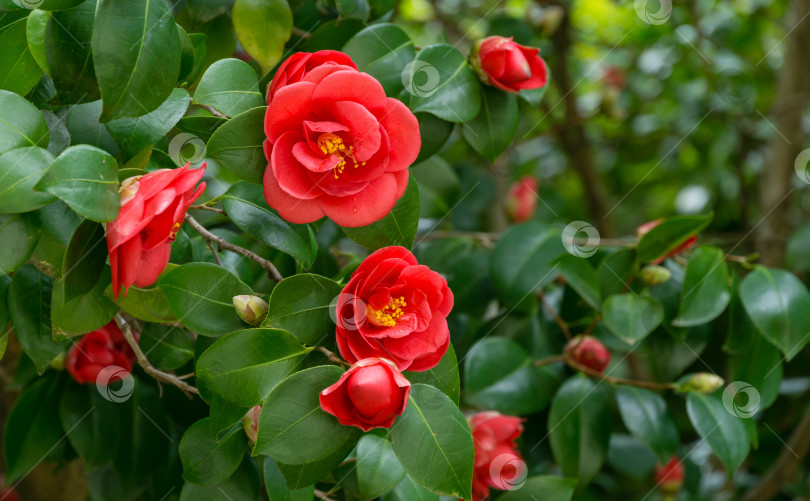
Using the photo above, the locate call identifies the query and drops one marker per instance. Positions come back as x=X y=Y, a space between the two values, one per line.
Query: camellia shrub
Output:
x=235 y=267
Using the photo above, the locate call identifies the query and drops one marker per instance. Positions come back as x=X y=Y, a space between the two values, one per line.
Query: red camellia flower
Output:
x=396 y=309
x=97 y=351
x=588 y=351
x=371 y=394
x=670 y=476
x=153 y=207
x=646 y=227
x=509 y=66
x=498 y=463
x=522 y=199
x=300 y=64
x=336 y=145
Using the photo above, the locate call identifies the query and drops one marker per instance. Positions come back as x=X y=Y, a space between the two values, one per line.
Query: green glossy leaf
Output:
x=203 y=11
x=631 y=317
x=20 y=170
x=440 y=81
x=90 y=424
x=444 y=376
x=60 y=137
x=243 y=485
x=19 y=234
x=244 y=366
x=277 y=487
x=21 y=124
x=133 y=135
x=493 y=130
x=409 y=490
x=37 y=432
x=262 y=27
x=499 y=375
x=292 y=415
x=616 y=271
x=397 y=228
x=85 y=178
x=245 y=205
x=545 y=487
x=223 y=414
x=35 y=33
x=645 y=415
x=85 y=313
x=199 y=42
x=200 y=126
x=378 y=469
x=82 y=122
x=84 y=259
x=722 y=430
x=301 y=475
x=580 y=276
x=5 y=282
x=705 y=293
x=779 y=305
x=433 y=442
x=300 y=305
x=434 y=133
x=68 y=55
x=521 y=262
x=579 y=425
x=201 y=297
x=230 y=86
x=237 y=145
x=29 y=306
x=168 y=347
x=382 y=50
x=19 y=71
x=150 y=305
x=207 y=462
x=136 y=53
x=669 y=235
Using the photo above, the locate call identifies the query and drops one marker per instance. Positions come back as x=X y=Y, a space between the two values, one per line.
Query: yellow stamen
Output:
x=389 y=314
x=332 y=144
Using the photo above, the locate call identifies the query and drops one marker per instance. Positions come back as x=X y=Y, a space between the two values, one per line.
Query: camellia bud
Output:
x=251 y=309
x=251 y=423
x=702 y=382
x=58 y=361
x=670 y=477
x=588 y=351
x=128 y=188
x=522 y=199
x=654 y=275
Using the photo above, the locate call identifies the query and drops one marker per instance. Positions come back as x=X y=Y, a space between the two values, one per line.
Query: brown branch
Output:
x=161 y=376
x=555 y=316
x=616 y=380
x=269 y=267
x=332 y=357
x=549 y=360
x=300 y=33
x=214 y=252
x=205 y=207
x=212 y=110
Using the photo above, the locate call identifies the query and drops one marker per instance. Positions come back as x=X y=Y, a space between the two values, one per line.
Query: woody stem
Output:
x=616 y=380
x=555 y=316
x=330 y=355
x=268 y=266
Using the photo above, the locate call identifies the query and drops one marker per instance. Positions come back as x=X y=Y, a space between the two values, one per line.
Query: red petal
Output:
x=364 y=129
x=371 y=204
x=129 y=255
x=403 y=135
x=289 y=173
x=290 y=208
x=361 y=88
x=291 y=105
x=152 y=264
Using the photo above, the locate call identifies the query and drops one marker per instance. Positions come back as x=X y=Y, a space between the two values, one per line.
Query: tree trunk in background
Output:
x=572 y=136
x=787 y=141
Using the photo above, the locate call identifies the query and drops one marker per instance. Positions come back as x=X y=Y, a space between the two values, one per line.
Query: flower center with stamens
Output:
x=332 y=144
x=173 y=232
x=388 y=315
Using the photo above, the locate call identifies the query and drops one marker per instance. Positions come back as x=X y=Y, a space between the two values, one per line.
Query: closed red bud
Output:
x=670 y=476
x=522 y=199
x=251 y=423
x=588 y=351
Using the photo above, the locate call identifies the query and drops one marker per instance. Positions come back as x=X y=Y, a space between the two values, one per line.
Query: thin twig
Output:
x=211 y=110
x=556 y=317
x=205 y=207
x=593 y=324
x=269 y=267
x=300 y=33
x=616 y=380
x=332 y=357
x=214 y=252
x=148 y=367
x=549 y=360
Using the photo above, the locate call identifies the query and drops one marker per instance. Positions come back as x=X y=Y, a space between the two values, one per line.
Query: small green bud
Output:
x=58 y=361
x=251 y=309
x=702 y=382
x=654 y=275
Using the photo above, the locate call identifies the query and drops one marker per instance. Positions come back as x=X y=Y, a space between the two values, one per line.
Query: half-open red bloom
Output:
x=153 y=207
x=522 y=199
x=498 y=463
x=337 y=146
x=298 y=66
x=371 y=394
x=509 y=66
x=686 y=245
x=394 y=308
x=670 y=476
x=98 y=350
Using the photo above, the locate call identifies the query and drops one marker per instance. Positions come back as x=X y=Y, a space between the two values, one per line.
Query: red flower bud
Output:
x=646 y=227
x=251 y=423
x=588 y=351
x=670 y=477
x=97 y=351
x=522 y=199
x=509 y=66
x=371 y=394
